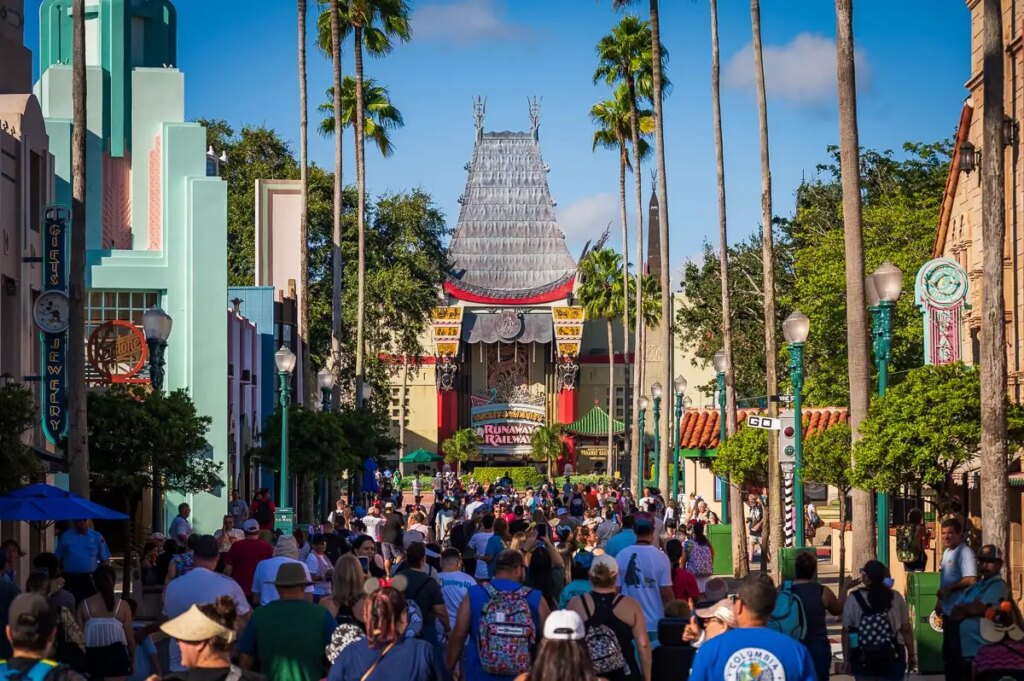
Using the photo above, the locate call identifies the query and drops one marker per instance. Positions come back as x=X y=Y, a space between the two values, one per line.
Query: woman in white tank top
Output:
x=107 y=625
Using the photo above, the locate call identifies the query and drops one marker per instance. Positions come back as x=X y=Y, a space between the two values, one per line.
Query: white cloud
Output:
x=587 y=218
x=802 y=71
x=465 y=21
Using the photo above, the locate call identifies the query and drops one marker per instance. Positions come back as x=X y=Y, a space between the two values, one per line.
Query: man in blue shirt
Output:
x=958 y=571
x=753 y=651
x=623 y=538
x=510 y=569
x=987 y=592
x=81 y=549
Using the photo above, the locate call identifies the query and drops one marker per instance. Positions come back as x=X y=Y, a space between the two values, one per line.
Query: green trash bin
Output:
x=720 y=537
x=787 y=559
x=926 y=625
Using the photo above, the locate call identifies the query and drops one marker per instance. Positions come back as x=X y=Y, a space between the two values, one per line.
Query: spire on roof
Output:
x=479 y=109
x=653 y=232
x=534 y=103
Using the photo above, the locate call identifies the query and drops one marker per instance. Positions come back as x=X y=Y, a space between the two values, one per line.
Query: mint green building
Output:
x=157 y=223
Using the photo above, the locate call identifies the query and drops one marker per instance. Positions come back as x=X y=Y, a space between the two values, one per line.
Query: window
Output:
x=105 y=306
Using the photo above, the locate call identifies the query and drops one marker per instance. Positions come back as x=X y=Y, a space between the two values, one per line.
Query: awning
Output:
x=594 y=424
x=494 y=327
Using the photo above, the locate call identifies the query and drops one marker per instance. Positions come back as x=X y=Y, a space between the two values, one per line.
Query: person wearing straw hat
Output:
x=206 y=635
x=286 y=638
x=1003 y=655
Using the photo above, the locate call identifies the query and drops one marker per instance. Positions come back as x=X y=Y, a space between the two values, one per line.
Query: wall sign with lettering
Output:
x=51 y=314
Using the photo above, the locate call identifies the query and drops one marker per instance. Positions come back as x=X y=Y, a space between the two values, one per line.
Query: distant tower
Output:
x=653 y=266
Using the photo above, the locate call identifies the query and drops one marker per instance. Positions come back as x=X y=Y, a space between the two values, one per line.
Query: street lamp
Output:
x=325 y=379
x=719 y=363
x=883 y=289
x=680 y=388
x=643 y=402
x=795 y=329
x=285 y=361
x=157 y=325
x=656 y=394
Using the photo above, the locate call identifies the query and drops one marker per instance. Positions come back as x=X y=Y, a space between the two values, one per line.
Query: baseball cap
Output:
x=564 y=625
x=250 y=526
x=561 y=512
x=990 y=552
x=206 y=547
x=389 y=505
x=721 y=611
x=193 y=625
x=30 y=613
x=604 y=562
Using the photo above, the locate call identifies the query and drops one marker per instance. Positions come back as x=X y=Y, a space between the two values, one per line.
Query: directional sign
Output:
x=764 y=422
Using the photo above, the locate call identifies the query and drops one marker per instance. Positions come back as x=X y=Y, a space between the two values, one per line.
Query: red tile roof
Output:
x=699 y=428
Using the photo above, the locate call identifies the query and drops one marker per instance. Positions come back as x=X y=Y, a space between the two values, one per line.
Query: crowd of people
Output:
x=485 y=583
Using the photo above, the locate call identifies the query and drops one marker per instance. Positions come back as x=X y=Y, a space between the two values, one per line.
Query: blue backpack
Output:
x=788 y=617
x=39 y=671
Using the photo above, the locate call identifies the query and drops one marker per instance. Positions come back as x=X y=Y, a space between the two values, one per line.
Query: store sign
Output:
x=51 y=315
x=507 y=427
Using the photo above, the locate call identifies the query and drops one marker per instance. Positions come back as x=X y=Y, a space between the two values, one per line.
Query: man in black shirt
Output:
x=32 y=627
x=391 y=535
x=424 y=590
x=520 y=523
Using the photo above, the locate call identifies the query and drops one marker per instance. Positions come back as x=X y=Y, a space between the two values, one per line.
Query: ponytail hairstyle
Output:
x=384 y=611
x=103 y=579
x=674 y=551
x=224 y=612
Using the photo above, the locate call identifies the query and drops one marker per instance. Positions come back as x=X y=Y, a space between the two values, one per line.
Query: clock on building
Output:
x=51 y=311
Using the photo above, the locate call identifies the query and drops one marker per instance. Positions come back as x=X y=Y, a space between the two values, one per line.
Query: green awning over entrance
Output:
x=420 y=456
x=698 y=453
x=594 y=424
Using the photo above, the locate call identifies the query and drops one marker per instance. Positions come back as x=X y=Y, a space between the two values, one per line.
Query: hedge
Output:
x=522 y=476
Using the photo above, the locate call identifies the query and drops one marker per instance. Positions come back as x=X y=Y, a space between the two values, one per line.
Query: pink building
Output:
x=245 y=411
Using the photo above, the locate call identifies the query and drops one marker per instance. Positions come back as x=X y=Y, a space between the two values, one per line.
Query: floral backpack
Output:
x=700 y=559
x=506 y=632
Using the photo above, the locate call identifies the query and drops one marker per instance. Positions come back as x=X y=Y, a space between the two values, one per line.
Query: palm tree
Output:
x=735 y=499
x=858 y=360
x=307 y=368
x=336 y=269
x=546 y=445
x=381 y=115
x=768 y=282
x=78 y=426
x=624 y=58
x=374 y=24
x=601 y=294
x=464 y=444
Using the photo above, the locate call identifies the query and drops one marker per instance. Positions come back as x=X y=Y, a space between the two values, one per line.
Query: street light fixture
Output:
x=325 y=379
x=656 y=394
x=643 y=403
x=157 y=325
x=796 y=328
x=720 y=365
x=680 y=387
x=887 y=282
x=284 y=358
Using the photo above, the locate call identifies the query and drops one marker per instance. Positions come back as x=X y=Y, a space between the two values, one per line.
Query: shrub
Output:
x=522 y=476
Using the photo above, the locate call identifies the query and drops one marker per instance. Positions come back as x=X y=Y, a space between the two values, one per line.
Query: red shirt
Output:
x=243 y=557
x=591 y=500
x=684 y=585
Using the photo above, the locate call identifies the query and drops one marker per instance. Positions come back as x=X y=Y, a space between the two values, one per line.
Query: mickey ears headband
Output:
x=373 y=584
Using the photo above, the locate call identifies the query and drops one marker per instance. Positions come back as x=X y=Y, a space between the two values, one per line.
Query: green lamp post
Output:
x=680 y=388
x=157 y=325
x=720 y=363
x=284 y=358
x=883 y=289
x=795 y=329
x=656 y=394
x=643 y=402
x=325 y=380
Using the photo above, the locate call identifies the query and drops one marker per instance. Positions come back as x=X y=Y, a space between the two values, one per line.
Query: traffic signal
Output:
x=787 y=438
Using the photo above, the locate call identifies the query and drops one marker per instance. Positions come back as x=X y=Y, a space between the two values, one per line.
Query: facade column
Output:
x=568 y=372
x=447 y=370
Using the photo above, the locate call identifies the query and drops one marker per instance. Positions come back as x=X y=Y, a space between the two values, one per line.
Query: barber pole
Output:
x=787 y=487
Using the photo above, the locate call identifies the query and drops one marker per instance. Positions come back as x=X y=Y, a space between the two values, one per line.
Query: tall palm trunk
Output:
x=611 y=398
x=995 y=494
x=360 y=214
x=336 y=278
x=858 y=360
x=633 y=405
x=306 y=483
x=78 y=426
x=774 y=533
x=667 y=345
x=739 y=548
x=623 y=162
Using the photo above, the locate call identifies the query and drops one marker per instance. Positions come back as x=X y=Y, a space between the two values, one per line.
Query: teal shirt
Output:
x=988 y=591
x=576 y=587
x=620 y=541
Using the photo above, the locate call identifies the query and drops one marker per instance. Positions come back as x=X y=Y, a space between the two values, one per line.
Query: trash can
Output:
x=787 y=559
x=720 y=537
x=926 y=625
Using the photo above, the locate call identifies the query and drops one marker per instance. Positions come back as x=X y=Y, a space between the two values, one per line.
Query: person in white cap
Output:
x=563 y=653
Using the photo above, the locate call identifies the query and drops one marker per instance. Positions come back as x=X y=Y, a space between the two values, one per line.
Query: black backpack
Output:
x=261 y=514
x=576 y=505
x=877 y=649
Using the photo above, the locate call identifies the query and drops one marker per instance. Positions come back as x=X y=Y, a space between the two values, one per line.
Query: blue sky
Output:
x=239 y=61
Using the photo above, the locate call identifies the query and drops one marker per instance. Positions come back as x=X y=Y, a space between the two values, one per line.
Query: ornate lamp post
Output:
x=643 y=403
x=883 y=289
x=719 y=363
x=325 y=379
x=284 y=358
x=795 y=329
x=157 y=325
x=680 y=388
x=656 y=394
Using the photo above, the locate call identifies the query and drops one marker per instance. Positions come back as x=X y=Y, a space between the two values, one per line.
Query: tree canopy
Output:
x=17 y=416
x=743 y=458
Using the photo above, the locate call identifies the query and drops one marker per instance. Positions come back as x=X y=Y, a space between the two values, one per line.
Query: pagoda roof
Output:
x=507 y=247
x=594 y=424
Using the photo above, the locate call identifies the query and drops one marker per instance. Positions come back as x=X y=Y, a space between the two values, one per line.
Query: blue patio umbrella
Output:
x=369 y=480
x=42 y=503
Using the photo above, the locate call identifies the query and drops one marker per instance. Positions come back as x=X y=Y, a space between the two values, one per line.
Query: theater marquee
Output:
x=506 y=428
